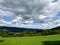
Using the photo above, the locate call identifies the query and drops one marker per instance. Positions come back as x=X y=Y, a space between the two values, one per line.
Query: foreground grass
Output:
x=34 y=40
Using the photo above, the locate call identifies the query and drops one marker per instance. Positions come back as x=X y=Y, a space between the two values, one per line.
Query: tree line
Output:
x=8 y=33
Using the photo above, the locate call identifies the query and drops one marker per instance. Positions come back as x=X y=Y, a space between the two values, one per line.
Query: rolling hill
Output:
x=16 y=29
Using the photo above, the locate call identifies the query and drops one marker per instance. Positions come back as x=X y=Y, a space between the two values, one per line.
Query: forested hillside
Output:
x=18 y=32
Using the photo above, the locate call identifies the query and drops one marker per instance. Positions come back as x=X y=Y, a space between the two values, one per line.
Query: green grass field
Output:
x=33 y=40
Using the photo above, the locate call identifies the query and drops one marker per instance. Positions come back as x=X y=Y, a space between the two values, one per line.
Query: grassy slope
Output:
x=34 y=40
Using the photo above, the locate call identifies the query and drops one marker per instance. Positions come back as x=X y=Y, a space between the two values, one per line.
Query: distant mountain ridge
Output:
x=16 y=29
x=56 y=28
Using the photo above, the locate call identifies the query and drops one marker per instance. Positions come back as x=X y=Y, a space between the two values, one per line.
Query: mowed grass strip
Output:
x=33 y=40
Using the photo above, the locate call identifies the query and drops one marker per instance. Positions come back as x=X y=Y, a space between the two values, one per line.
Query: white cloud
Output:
x=5 y=13
x=42 y=17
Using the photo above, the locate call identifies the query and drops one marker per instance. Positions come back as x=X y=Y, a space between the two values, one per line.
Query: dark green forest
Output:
x=5 y=32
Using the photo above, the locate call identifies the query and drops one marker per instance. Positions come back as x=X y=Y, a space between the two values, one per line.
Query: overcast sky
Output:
x=39 y=14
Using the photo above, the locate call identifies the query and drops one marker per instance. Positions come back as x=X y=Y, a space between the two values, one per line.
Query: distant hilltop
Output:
x=16 y=29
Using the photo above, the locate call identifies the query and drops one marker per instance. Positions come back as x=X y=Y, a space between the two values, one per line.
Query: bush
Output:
x=17 y=34
x=44 y=33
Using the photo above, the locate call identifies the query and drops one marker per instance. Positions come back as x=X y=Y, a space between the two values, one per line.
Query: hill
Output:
x=56 y=28
x=16 y=29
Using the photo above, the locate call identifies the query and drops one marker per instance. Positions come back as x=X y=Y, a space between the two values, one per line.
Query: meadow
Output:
x=32 y=40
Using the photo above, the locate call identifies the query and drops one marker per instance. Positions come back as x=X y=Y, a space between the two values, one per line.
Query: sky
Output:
x=37 y=14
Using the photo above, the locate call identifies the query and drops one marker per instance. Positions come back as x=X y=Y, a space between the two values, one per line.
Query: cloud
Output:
x=30 y=12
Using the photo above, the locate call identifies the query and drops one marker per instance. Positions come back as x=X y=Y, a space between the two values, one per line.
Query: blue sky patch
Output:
x=8 y=18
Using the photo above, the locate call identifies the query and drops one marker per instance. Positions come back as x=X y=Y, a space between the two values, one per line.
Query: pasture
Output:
x=32 y=40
